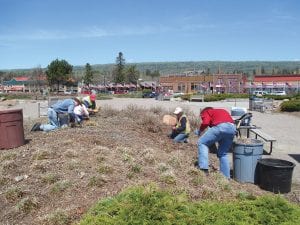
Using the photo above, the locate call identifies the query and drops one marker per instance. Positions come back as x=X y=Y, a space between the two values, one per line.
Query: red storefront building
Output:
x=271 y=84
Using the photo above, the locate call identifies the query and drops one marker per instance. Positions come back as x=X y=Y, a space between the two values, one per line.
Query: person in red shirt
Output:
x=217 y=126
x=93 y=97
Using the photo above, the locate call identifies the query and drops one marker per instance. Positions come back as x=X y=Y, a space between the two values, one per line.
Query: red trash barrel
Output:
x=11 y=129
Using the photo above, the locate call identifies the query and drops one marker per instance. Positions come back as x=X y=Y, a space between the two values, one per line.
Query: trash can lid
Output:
x=248 y=141
x=10 y=111
x=276 y=163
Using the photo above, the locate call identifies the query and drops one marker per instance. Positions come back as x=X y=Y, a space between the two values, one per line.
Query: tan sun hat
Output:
x=78 y=100
x=178 y=110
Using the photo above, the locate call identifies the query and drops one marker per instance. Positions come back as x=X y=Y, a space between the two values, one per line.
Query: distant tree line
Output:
x=61 y=72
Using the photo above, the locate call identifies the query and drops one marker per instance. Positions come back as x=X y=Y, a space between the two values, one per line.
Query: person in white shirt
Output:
x=81 y=113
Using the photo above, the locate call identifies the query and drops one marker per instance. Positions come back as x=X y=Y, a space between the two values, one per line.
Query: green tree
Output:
x=58 y=71
x=155 y=73
x=119 y=73
x=89 y=75
x=132 y=74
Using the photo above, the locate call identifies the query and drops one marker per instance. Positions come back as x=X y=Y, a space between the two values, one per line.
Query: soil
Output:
x=67 y=171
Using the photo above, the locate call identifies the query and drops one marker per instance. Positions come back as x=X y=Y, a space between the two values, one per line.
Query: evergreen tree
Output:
x=89 y=75
x=119 y=73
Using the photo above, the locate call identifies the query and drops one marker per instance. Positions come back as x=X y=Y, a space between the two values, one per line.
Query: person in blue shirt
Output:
x=64 y=107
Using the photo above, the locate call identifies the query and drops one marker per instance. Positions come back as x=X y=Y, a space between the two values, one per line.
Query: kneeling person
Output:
x=81 y=113
x=181 y=131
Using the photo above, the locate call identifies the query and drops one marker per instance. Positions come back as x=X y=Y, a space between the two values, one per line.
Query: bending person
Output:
x=221 y=129
x=61 y=107
x=81 y=113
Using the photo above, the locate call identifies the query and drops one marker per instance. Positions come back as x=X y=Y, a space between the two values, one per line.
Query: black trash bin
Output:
x=275 y=175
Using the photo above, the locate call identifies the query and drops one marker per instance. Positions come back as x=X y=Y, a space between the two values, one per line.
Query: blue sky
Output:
x=35 y=32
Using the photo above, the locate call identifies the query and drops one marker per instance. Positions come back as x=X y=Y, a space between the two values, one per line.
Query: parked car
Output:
x=68 y=92
x=260 y=93
x=279 y=93
x=177 y=94
x=149 y=95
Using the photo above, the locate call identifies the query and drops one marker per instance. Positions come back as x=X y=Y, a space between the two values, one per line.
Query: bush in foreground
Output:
x=153 y=206
x=290 y=106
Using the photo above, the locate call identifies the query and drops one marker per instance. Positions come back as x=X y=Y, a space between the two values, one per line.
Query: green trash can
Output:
x=246 y=153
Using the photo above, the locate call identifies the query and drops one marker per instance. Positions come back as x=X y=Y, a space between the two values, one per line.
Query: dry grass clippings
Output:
x=75 y=167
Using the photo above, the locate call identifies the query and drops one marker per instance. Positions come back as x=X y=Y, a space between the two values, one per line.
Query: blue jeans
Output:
x=180 y=138
x=223 y=134
x=53 y=122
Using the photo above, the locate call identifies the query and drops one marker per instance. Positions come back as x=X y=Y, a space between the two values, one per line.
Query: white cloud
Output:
x=98 y=32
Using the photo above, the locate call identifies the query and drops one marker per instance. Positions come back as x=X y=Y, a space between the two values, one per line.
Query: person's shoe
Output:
x=36 y=127
x=186 y=140
x=205 y=171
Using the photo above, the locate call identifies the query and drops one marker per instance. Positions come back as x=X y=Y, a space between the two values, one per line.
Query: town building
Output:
x=274 y=83
x=24 y=84
x=203 y=83
x=230 y=83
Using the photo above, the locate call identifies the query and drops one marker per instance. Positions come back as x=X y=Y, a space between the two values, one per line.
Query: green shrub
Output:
x=50 y=178
x=13 y=194
x=146 y=91
x=278 y=97
x=219 y=97
x=16 y=96
x=214 y=97
x=104 y=96
x=8 y=156
x=60 y=186
x=290 y=106
x=297 y=96
x=27 y=204
x=150 y=205
x=105 y=169
x=186 y=97
x=97 y=181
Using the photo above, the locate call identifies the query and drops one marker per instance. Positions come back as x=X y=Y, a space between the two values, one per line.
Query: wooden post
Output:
x=39 y=109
